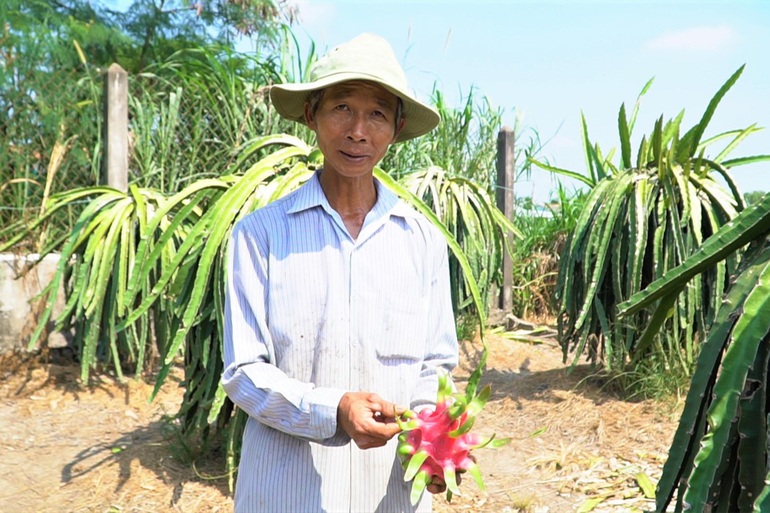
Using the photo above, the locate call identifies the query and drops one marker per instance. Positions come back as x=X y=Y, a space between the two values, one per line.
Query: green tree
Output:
x=752 y=197
x=144 y=32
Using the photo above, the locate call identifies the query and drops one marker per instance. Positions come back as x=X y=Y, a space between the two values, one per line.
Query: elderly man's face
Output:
x=354 y=123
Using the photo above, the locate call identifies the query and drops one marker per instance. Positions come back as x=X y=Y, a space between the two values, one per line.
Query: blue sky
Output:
x=547 y=61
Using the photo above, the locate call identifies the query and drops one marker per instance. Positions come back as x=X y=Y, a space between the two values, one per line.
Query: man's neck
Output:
x=352 y=198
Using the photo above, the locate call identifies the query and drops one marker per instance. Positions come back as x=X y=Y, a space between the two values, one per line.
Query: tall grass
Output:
x=193 y=112
x=464 y=144
x=544 y=232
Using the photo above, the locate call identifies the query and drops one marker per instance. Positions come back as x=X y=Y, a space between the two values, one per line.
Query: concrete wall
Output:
x=19 y=310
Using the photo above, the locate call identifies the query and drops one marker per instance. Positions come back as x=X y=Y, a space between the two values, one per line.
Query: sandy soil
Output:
x=104 y=448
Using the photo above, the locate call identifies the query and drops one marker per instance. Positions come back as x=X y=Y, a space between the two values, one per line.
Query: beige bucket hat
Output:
x=366 y=57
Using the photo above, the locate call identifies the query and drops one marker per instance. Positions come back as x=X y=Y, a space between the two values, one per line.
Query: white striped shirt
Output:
x=311 y=314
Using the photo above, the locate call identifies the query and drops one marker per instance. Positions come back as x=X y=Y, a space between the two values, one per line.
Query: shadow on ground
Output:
x=105 y=439
x=154 y=448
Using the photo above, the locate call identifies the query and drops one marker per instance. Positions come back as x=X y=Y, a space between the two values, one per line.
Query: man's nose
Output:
x=358 y=128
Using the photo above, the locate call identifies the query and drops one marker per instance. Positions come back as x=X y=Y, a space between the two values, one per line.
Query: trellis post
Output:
x=505 y=202
x=115 y=163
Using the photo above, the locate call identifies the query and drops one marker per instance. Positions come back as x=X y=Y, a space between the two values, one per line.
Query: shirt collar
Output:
x=311 y=195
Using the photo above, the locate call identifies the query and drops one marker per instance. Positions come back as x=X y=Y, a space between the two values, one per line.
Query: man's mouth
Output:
x=353 y=156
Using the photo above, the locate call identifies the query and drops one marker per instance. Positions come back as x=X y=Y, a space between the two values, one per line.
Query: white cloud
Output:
x=696 y=38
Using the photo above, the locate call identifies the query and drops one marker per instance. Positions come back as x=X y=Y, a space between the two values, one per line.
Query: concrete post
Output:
x=115 y=164
x=505 y=202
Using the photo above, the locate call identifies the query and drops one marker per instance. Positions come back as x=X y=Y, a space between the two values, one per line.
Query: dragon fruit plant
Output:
x=438 y=442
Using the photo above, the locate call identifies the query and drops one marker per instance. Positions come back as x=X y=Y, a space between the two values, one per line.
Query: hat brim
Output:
x=289 y=100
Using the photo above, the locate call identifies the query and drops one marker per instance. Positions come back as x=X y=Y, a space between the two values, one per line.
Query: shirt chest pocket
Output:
x=402 y=331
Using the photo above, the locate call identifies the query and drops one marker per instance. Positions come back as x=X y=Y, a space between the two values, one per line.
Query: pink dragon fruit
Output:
x=437 y=441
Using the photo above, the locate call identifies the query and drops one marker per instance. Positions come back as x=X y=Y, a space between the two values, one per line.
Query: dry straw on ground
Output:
x=104 y=448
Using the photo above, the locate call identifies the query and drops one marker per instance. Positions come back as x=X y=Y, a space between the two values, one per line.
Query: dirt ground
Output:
x=104 y=448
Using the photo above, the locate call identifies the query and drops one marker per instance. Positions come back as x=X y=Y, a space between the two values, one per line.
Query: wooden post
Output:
x=115 y=164
x=505 y=202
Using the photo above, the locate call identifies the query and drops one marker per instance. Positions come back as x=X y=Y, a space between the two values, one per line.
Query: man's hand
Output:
x=437 y=483
x=368 y=419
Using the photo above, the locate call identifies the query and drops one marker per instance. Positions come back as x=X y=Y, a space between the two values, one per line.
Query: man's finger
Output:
x=383 y=430
x=369 y=443
x=391 y=410
x=436 y=488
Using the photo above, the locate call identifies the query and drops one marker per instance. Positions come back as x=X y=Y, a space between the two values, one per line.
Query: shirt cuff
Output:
x=322 y=405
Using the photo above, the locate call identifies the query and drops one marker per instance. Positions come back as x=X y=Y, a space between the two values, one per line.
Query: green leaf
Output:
x=625 y=137
x=415 y=462
x=599 y=241
x=213 y=227
x=421 y=481
x=150 y=251
x=752 y=429
x=59 y=202
x=689 y=147
x=745 y=227
x=742 y=161
x=219 y=400
x=727 y=177
x=688 y=433
x=474 y=471
x=763 y=500
x=590 y=154
x=749 y=330
x=739 y=137
x=588 y=180
x=645 y=484
x=656 y=144
x=450 y=478
x=477 y=403
x=663 y=311
x=637 y=104
x=496 y=443
x=590 y=504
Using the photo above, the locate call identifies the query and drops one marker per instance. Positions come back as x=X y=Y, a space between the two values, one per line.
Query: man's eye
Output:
x=342 y=106
x=379 y=114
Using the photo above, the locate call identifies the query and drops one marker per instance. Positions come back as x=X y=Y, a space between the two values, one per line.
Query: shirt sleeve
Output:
x=441 y=346
x=251 y=379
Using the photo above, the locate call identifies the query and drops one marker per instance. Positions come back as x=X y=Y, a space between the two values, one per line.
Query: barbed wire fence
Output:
x=49 y=138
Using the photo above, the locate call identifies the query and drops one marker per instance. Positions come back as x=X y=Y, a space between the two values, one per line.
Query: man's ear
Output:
x=309 y=118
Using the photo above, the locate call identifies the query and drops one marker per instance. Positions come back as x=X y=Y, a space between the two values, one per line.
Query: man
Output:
x=338 y=305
